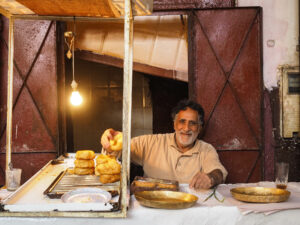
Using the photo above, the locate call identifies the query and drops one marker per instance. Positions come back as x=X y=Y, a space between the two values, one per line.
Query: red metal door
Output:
x=34 y=134
x=225 y=77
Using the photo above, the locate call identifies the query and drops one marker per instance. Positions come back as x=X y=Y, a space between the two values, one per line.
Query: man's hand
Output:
x=107 y=136
x=201 y=181
x=206 y=181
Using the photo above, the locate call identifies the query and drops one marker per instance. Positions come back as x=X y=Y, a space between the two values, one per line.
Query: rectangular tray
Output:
x=67 y=181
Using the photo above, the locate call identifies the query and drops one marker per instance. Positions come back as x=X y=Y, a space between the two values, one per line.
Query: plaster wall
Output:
x=280 y=35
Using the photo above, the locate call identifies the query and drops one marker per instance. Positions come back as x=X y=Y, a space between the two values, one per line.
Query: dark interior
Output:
x=101 y=86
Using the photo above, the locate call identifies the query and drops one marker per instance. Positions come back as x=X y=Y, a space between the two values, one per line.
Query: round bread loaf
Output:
x=85 y=154
x=84 y=163
x=97 y=172
x=104 y=158
x=110 y=167
x=116 y=143
x=105 y=178
x=84 y=171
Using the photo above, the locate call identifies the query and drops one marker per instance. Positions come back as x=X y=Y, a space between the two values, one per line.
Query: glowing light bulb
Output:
x=76 y=98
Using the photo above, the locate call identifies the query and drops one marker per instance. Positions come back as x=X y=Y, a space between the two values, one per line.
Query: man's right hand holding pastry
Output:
x=112 y=140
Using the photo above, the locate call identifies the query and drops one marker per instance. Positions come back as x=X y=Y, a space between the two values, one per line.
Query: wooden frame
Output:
x=126 y=125
x=289 y=103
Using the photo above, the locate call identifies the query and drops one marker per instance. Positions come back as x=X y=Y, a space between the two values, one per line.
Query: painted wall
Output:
x=280 y=35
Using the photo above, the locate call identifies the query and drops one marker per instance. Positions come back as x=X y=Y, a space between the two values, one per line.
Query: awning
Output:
x=78 y=8
x=158 y=41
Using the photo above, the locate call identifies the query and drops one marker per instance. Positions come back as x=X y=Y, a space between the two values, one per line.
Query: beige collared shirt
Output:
x=161 y=158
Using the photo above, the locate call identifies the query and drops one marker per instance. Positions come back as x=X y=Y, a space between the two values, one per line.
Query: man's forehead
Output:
x=188 y=114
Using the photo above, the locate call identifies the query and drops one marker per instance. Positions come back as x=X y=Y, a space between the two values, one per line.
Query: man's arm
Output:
x=216 y=177
x=205 y=181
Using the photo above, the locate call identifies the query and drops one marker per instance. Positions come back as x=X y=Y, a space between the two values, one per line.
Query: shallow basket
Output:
x=260 y=194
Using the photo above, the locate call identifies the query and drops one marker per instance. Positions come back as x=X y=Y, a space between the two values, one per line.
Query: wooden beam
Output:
x=165 y=5
x=91 y=8
x=117 y=62
x=4 y=12
x=127 y=103
x=61 y=76
x=10 y=81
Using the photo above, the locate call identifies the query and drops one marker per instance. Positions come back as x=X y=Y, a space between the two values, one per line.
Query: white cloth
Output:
x=4 y=193
x=292 y=203
x=210 y=212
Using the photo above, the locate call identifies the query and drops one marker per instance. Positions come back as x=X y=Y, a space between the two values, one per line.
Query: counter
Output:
x=139 y=215
x=208 y=212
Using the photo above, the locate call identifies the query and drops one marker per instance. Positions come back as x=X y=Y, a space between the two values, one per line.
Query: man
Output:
x=177 y=156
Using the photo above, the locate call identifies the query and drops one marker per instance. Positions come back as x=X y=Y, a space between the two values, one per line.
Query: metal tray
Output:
x=67 y=181
x=260 y=194
x=166 y=199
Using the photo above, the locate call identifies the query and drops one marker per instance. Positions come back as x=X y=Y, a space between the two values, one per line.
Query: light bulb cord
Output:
x=73 y=46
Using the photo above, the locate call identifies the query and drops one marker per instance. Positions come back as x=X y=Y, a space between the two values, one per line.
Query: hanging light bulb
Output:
x=76 y=98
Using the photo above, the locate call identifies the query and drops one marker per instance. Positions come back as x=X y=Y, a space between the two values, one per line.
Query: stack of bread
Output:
x=84 y=162
x=108 y=168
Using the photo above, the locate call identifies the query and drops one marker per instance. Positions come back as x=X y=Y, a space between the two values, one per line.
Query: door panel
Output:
x=225 y=77
x=227 y=128
x=226 y=32
x=35 y=107
x=240 y=166
x=30 y=163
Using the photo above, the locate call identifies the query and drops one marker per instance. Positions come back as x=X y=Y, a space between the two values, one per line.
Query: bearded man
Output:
x=180 y=155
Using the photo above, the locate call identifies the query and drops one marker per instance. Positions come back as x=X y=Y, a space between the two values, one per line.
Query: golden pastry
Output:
x=109 y=178
x=116 y=143
x=85 y=154
x=104 y=158
x=84 y=171
x=110 y=167
x=84 y=163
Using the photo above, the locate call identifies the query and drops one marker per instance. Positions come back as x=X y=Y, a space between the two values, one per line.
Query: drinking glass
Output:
x=282 y=175
x=13 y=178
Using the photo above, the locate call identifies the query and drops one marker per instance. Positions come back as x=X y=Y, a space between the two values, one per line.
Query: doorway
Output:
x=102 y=89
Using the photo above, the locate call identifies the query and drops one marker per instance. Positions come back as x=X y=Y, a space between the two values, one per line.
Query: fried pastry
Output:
x=84 y=163
x=104 y=158
x=84 y=171
x=107 y=168
x=85 y=154
x=110 y=167
x=109 y=178
x=96 y=172
x=116 y=144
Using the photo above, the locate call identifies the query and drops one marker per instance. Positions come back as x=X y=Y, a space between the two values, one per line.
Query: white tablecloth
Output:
x=210 y=212
x=292 y=203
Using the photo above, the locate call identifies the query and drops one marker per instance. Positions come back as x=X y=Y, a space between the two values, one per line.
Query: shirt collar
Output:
x=172 y=144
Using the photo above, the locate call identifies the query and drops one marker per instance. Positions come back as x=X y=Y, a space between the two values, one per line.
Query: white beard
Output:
x=186 y=140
